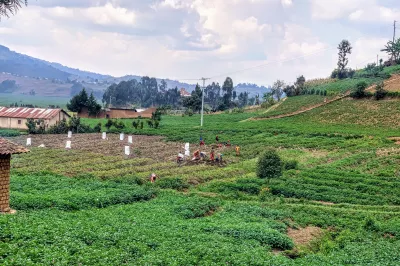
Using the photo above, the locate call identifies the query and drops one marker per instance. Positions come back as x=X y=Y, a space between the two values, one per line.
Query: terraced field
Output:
x=336 y=207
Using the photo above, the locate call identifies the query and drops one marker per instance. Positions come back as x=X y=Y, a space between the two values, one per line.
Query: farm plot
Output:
x=142 y=147
x=92 y=156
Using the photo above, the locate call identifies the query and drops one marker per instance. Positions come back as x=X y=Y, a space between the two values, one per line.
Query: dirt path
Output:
x=346 y=94
x=273 y=107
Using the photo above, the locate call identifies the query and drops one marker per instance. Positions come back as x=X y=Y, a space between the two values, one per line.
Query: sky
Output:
x=190 y=39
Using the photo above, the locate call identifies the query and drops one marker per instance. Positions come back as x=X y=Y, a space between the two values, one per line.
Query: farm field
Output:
x=347 y=111
x=42 y=101
x=92 y=205
x=293 y=104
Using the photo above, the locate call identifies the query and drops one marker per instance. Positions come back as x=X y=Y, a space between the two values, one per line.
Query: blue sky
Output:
x=185 y=39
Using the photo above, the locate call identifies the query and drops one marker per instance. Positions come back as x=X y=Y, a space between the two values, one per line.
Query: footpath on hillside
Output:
x=337 y=98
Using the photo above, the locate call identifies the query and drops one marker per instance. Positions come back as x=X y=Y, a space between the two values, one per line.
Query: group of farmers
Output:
x=201 y=155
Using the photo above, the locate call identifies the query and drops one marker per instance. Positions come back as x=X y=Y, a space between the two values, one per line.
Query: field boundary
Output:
x=346 y=94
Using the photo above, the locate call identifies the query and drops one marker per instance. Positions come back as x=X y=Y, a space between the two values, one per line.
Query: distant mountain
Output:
x=251 y=88
x=23 y=65
x=78 y=72
x=53 y=79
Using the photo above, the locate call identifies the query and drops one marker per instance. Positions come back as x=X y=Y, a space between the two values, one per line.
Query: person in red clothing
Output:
x=212 y=155
x=196 y=155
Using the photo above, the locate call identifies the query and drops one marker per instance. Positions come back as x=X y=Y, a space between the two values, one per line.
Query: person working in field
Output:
x=180 y=157
x=212 y=155
x=219 y=158
x=202 y=143
x=203 y=155
x=153 y=177
x=228 y=143
x=237 y=148
x=196 y=155
x=217 y=139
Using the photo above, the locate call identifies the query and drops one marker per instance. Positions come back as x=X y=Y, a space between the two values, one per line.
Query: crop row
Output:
x=339 y=187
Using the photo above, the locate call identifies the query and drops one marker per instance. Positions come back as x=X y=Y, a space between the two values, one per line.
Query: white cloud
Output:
x=286 y=3
x=374 y=13
x=334 y=9
x=194 y=38
x=101 y=15
x=365 y=51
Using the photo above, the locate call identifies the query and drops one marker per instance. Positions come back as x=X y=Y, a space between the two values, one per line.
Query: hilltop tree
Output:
x=194 y=102
x=212 y=94
x=163 y=86
x=92 y=105
x=146 y=92
x=299 y=85
x=243 y=99
x=393 y=49
x=290 y=90
x=78 y=102
x=277 y=89
x=10 y=7
x=344 y=50
x=227 y=88
x=81 y=100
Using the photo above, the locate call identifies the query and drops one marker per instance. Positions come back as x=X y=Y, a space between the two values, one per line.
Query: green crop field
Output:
x=93 y=206
x=293 y=104
x=41 y=101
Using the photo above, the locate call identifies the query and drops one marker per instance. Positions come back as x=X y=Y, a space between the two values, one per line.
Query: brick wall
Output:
x=5 y=183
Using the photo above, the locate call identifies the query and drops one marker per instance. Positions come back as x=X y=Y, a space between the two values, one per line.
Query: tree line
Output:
x=145 y=93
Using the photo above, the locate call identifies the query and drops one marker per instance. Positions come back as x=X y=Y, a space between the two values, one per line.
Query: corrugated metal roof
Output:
x=24 y=112
x=8 y=147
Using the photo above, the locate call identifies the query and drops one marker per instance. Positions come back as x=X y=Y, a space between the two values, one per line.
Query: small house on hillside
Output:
x=16 y=117
x=185 y=93
x=7 y=148
x=119 y=113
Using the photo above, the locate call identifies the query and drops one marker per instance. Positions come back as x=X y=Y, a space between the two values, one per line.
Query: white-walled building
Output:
x=16 y=117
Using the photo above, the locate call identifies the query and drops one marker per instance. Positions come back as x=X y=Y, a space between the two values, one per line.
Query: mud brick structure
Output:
x=7 y=148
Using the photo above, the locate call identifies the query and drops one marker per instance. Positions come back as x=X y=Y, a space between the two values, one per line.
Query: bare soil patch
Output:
x=396 y=140
x=153 y=147
x=303 y=236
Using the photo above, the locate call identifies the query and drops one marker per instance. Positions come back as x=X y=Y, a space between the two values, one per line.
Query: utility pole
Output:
x=202 y=100
x=377 y=60
x=394 y=30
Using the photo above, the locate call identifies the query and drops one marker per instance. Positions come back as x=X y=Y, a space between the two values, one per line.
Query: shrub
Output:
x=237 y=110
x=189 y=112
x=135 y=124
x=370 y=225
x=118 y=124
x=60 y=128
x=359 y=91
x=380 y=91
x=35 y=126
x=97 y=128
x=269 y=165
x=289 y=165
x=109 y=124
